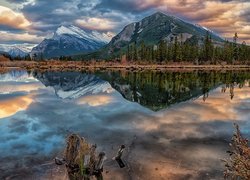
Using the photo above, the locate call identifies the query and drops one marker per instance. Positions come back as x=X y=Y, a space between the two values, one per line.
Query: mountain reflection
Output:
x=154 y=90
x=73 y=85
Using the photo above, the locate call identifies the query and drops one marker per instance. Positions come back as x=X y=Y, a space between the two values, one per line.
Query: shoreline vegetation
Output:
x=56 y=65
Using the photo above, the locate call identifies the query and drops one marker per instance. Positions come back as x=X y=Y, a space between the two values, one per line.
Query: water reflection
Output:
x=158 y=90
x=95 y=100
x=154 y=90
x=184 y=141
x=73 y=85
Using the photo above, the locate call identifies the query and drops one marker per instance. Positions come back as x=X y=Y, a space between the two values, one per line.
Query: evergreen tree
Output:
x=243 y=52
x=175 y=49
x=235 y=47
x=135 y=55
x=208 y=48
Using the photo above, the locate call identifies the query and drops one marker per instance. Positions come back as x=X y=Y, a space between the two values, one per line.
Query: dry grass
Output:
x=2 y=58
x=99 y=65
x=238 y=164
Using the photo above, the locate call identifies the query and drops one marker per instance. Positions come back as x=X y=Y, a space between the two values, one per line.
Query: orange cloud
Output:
x=94 y=23
x=12 y=19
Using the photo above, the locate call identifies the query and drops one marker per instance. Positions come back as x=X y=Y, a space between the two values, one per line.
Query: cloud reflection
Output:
x=7 y=88
x=11 y=106
x=95 y=100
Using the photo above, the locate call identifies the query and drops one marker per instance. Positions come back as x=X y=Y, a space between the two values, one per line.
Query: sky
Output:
x=30 y=21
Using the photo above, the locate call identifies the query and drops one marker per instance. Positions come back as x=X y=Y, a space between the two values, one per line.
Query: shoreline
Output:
x=80 y=66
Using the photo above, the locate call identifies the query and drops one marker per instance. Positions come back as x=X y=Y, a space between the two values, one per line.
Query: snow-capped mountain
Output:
x=72 y=85
x=69 y=40
x=17 y=50
x=92 y=36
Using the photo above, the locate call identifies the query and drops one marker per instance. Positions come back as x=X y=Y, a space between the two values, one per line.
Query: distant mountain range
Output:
x=69 y=40
x=151 y=30
x=16 y=50
x=73 y=41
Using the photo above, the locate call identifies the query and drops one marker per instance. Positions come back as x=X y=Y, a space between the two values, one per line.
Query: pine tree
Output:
x=235 y=47
x=161 y=55
x=243 y=52
x=135 y=55
x=175 y=49
x=208 y=48
x=143 y=51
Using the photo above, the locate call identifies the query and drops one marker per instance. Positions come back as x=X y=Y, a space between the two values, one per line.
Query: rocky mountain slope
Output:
x=151 y=30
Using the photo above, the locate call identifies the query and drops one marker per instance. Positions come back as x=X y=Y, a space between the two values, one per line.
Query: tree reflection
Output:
x=158 y=90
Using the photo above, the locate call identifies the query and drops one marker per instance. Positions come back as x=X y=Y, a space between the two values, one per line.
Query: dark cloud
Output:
x=11 y=29
x=48 y=15
x=123 y=6
x=17 y=1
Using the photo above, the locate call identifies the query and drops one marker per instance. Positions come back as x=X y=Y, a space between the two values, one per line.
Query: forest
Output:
x=206 y=53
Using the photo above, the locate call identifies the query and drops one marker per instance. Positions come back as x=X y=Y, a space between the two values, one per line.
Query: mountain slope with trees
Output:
x=162 y=38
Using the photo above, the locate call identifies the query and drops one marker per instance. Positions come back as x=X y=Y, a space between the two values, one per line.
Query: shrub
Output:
x=238 y=164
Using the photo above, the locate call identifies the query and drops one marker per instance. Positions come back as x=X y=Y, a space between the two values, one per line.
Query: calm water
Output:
x=175 y=125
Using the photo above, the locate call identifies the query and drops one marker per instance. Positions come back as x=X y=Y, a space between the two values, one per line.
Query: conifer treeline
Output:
x=178 y=51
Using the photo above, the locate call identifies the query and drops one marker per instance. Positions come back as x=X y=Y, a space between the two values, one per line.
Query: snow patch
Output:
x=91 y=88
x=140 y=30
x=80 y=33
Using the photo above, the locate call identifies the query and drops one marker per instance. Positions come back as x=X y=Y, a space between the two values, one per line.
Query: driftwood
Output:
x=119 y=155
x=81 y=160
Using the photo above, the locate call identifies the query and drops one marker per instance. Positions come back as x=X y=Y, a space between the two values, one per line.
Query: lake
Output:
x=174 y=124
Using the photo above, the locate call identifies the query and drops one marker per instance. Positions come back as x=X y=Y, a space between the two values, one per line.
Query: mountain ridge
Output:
x=16 y=50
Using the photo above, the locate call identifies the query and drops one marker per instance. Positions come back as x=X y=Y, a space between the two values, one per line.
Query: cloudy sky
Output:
x=30 y=21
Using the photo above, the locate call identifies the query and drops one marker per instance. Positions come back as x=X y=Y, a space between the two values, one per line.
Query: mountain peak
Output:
x=80 y=33
x=158 y=13
x=66 y=30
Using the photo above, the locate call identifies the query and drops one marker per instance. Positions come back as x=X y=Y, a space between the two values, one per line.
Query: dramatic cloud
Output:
x=12 y=19
x=95 y=23
x=41 y=18
x=21 y=38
